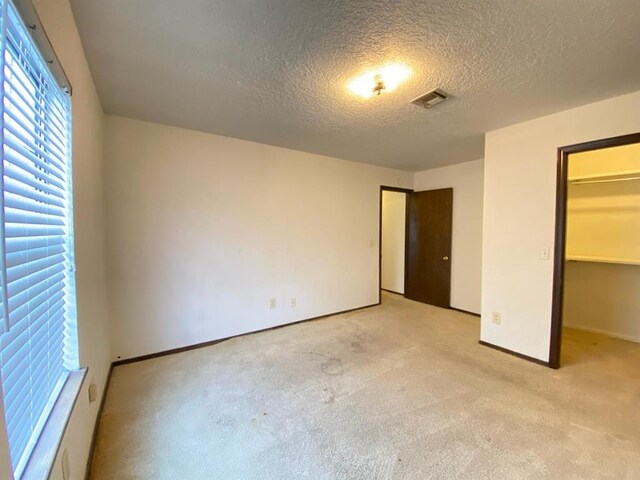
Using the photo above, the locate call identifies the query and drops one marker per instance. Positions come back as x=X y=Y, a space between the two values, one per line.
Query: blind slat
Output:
x=20 y=120
x=34 y=178
x=11 y=141
x=31 y=142
x=18 y=157
x=26 y=243
x=21 y=279
x=14 y=215
x=20 y=370
x=21 y=317
x=15 y=365
x=26 y=274
x=22 y=324
x=24 y=259
x=21 y=110
x=20 y=230
x=29 y=66
x=25 y=195
x=50 y=277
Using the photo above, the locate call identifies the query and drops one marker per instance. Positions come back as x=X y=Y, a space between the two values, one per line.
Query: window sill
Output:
x=45 y=452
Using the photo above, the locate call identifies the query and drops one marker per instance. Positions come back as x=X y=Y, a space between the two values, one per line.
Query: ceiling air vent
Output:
x=430 y=99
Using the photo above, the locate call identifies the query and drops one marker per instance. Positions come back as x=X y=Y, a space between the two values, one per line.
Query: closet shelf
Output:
x=606 y=177
x=588 y=258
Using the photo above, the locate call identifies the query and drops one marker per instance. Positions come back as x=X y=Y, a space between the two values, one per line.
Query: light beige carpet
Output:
x=400 y=391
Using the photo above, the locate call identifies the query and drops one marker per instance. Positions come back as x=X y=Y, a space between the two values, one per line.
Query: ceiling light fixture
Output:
x=379 y=84
x=383 y=79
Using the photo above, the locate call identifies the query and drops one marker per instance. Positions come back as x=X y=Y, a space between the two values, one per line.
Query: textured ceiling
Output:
x=275 y=71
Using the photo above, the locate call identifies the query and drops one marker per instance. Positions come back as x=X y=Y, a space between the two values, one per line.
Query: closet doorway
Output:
x=393 y=227
x=597 y=262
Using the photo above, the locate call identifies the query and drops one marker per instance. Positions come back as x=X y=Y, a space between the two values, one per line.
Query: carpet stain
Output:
x=332 y=396
x=332 y=367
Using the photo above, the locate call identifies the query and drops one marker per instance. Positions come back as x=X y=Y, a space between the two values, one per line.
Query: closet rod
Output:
x=583 y=182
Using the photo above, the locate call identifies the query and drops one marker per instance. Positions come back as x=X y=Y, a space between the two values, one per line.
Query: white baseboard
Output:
x=630 y=338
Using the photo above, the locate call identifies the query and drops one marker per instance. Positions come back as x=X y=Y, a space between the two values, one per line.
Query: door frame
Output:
x=561 y=232
x=407 y=191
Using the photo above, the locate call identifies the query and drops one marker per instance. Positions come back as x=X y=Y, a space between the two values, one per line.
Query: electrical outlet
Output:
x=293 y=302
x=496 y=318
x=93 y=391
x=66 y=468
x=272 y=303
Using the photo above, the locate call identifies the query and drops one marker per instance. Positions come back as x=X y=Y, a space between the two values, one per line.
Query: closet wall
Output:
x=602 y=274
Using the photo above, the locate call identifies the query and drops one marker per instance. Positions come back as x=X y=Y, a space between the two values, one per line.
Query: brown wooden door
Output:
x=428 y=256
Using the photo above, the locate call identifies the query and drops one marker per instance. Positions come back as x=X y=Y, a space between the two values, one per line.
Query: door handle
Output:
x=445 y=258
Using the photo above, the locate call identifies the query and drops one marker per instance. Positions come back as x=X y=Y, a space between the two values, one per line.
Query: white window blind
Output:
x=38 y=343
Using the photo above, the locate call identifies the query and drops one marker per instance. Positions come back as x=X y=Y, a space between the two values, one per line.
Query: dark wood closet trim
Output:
x=561 y=230
x=389 y=189
x=391 y=291
x=515 y=354
x=465 y=311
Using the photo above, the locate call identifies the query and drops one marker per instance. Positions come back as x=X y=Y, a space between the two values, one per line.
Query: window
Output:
x=38 y=343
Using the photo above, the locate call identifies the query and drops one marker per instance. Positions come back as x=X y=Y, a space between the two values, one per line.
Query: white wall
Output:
x=466 y=249
x=89 y=217
x=394 y=210
x=519 y=216
x=603 y=298
x=203 y=230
